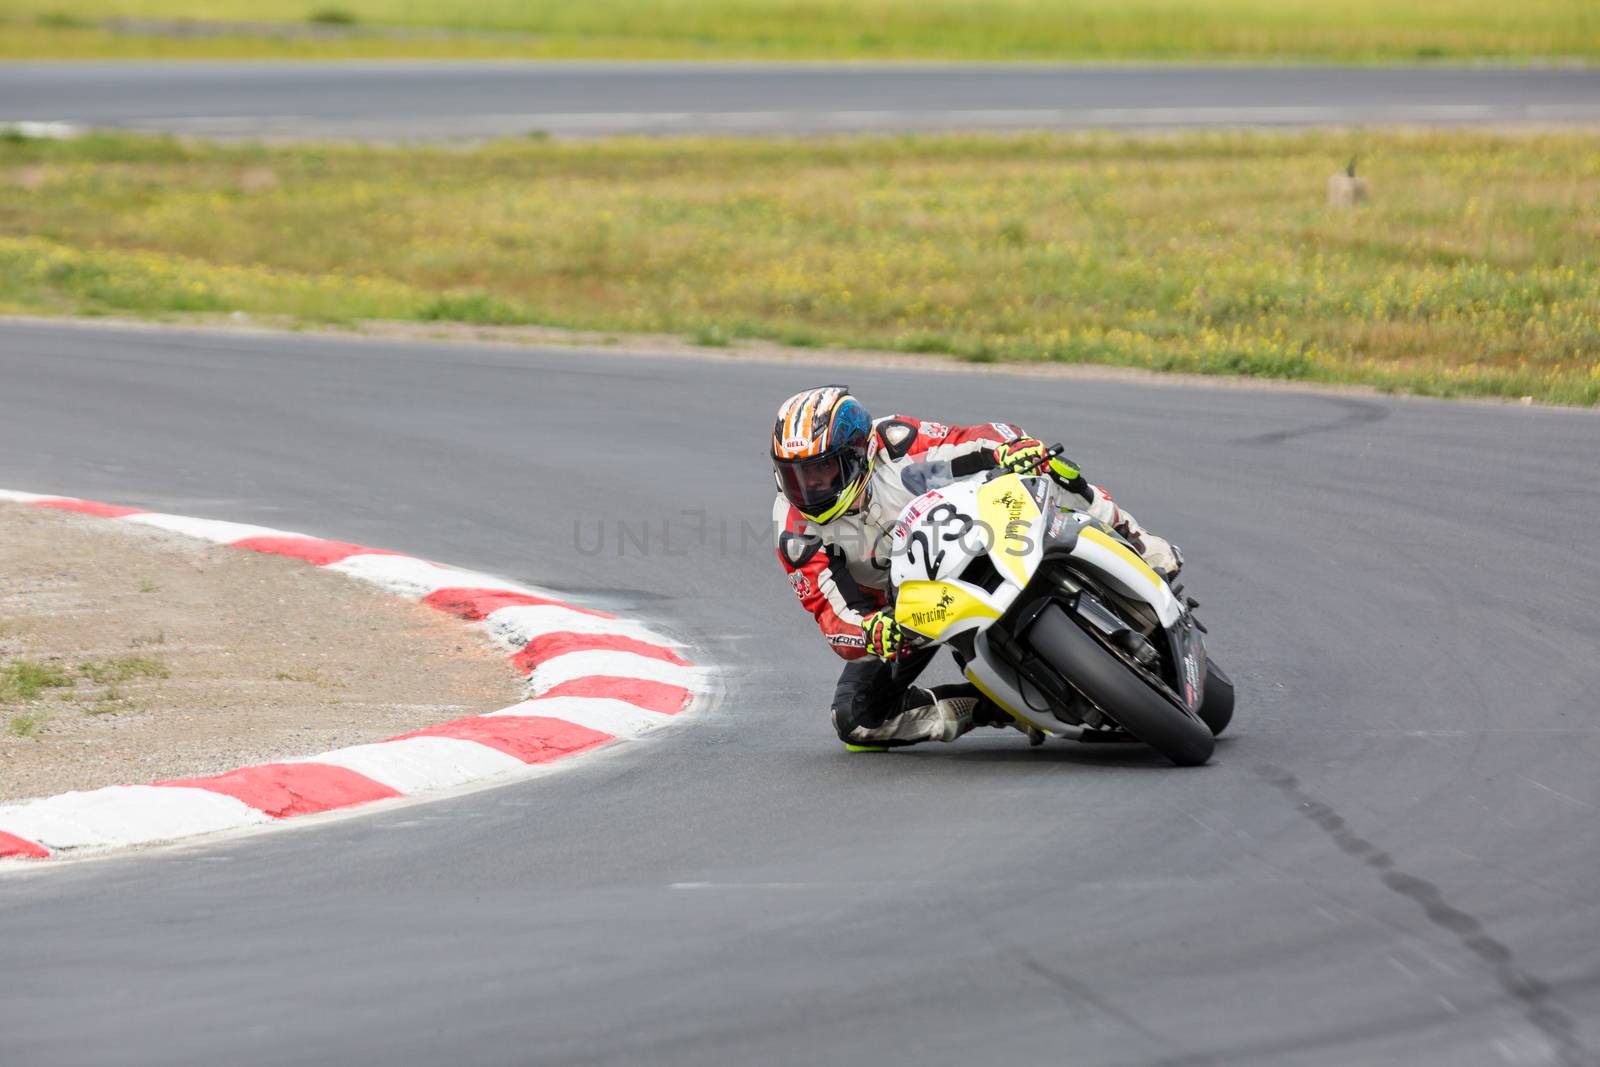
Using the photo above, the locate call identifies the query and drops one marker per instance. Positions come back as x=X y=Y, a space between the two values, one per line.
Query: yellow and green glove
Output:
x=886 y=638
x=1028 y=455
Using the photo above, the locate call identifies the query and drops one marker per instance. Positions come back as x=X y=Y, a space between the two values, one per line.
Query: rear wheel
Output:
x=1115 y=689
x=1216 y=710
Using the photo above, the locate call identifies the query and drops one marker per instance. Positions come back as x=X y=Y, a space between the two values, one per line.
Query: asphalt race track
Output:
x=1393 y=859
x=397 y=100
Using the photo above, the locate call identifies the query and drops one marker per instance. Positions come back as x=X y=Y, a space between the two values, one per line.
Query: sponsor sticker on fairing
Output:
x=1065 y=518
x=938 y=613
x=914 y=511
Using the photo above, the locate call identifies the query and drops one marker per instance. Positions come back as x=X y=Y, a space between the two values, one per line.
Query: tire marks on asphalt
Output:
x=1532 y=994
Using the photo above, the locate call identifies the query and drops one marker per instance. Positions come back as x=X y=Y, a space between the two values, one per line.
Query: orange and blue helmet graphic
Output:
x=816 y=421
x=819 y=451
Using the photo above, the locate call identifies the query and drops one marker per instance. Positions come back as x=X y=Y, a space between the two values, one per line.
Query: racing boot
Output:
x=987 y=712
x=922 y=715
x=1162 y=555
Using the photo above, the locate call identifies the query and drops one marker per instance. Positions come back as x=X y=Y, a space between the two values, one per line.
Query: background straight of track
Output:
x=1392 y=861
x=418 y=100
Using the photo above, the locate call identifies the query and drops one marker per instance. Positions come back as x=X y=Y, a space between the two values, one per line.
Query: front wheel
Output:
x=1115 y=689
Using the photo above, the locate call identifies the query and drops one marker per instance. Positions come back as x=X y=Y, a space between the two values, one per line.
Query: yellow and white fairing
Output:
x=939 y=538
x=943 y=590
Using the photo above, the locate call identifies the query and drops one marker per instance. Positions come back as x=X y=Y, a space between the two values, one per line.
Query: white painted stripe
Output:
x=564 y=668
x=17 y=497
x=405 y=576
x=615 y=717
x=415 y=578
x=126 y=815
x=514 y=627
x=214 y=530
x=419 y=764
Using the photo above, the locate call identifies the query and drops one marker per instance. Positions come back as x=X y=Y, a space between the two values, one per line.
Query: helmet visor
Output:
x=815 y=484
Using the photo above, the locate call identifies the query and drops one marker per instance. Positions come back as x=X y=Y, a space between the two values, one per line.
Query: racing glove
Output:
x=885 y=637
x=1027 y=455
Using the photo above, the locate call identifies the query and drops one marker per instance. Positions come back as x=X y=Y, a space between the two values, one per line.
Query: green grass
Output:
x=709 y=335
x=1353 y=30
x=1471 y=271
x=476 y=307
x=28 y=681
x=28 y=723
x=113 y=672
x=25 y=680
x=332 y=16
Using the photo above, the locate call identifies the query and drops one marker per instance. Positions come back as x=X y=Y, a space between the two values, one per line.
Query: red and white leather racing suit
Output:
x=840 y=570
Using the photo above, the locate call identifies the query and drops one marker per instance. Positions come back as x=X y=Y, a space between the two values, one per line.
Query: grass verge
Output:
x=1356 y=30
x=25 y=680
x=1470 y=272
x=25 y=684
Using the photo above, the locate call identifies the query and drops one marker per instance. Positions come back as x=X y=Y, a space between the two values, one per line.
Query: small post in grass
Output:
x=1344 y=188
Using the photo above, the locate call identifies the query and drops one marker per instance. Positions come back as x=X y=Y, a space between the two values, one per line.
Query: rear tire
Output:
x=1216 y=710
x=1108 y=682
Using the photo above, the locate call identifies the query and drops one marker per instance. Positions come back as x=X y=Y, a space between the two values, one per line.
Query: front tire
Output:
x=1108 y=682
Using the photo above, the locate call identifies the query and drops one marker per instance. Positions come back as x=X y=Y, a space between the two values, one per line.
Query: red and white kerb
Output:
x=593 y=679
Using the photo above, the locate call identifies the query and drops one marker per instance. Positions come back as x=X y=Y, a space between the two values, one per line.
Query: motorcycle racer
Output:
x=843 y=479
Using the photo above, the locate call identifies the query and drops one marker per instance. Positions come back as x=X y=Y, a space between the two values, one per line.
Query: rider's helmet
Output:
x=819 y=451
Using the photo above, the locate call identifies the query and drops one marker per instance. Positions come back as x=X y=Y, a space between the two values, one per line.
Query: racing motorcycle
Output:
x=1055 y=617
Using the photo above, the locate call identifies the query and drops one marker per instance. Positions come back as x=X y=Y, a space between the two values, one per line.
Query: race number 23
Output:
x=935 y=521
